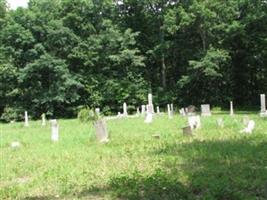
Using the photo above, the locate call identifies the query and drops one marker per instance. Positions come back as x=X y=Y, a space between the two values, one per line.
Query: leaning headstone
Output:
x=26 y=119
x=125 y=113
x=194 y=122
x=101 y=131
x=205 y=110
x=169 y=111
x=43 y=120
x=220 y=122
x=187 y=131
x=182 y=112
x=263 y=112
x=54 y=130
x=250 y=127
x=231 y=108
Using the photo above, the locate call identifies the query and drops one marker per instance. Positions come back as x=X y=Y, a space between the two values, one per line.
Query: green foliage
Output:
x=12 y=114
x=87 y=115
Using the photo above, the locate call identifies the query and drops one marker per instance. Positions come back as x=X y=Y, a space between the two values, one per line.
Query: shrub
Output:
x=86 y=115
x=11 y=114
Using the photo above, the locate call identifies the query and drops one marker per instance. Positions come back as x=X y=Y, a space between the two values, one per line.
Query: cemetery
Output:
x=133 y=100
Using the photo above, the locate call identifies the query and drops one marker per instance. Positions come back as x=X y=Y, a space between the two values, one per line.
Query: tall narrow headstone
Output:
x=263 y=104
x=125 y=113
x=138 y=111
x=54 y=130
x=158 y=110
x=43 y=120
x=150 y=110
x=205 y=110
x=231 y=108
x=26 y=119
x=143 y=110
x=169 y=111
x=97 y=111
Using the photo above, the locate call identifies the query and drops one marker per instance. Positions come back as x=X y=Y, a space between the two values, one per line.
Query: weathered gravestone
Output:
x=43 y=120
x=143 y=110
x=190 y=110
x=54 y=130
x=194 y=122
x=205 y=110
x=182 y=112
x=125 y=112
x=169 y=111
x=231 y=108
x=97 y=111
x=245 y=120
x=250 y=127
x=26 y=119
x=263 y=112
x=172 y=110
x=220 y=122
x=158 y=110
x=137 y=111
x=150 y=110
x=101 y=131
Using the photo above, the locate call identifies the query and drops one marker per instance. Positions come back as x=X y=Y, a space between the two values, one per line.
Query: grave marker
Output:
x=194 y=122
x=205 y=110
x=54 y=130
x=43 y=120
x=125 y=113
x=263 y=112
x=26 y=119
x=101 y=131
x=250 y=127
x=169 y=111
x=231 y=108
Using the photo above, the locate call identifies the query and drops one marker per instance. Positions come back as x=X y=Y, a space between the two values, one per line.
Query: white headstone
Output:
x=15 y=145
x=158 y=110
x=143 y=110
x=149 y=114
x=138 y=111
x=169 y=111
x=54 y=130
x=97 y=111
x=194 y=122
x=26 y=119
x=205 y=110
x=231 y=108
x=263 y=112
x=43 y=120
x=250 y=127
x=182 y=112
x=220 y=122
x=101 y=131
x=150 y=102
x=125 y=113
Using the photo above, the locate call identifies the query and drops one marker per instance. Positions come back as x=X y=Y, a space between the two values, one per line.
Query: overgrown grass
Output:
x=217 y=163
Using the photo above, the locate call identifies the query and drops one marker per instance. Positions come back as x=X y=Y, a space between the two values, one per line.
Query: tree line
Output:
x=56 y=56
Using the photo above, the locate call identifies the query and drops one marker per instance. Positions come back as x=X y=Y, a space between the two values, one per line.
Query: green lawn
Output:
x=217 y=163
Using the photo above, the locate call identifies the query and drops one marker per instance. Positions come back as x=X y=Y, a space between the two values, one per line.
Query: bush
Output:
x=86 y=115
x=12 y=114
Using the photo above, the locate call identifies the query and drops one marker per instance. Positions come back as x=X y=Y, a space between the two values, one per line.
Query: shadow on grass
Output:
x=223 y=170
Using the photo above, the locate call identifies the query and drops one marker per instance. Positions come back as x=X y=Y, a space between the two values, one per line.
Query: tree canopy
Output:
x=58 y=55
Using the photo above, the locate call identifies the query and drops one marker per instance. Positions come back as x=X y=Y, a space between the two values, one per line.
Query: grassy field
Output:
x=217 y=163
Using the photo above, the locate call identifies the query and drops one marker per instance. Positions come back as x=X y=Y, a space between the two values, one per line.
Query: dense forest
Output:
x=59 y=55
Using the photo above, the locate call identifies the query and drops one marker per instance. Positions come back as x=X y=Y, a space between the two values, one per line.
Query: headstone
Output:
x=263 y=112
x=250 y=127
x=97 y=111
x=125 y=113
x=149 y=114
x=150 y=102
x=231 y=108
x=143 y=110
x=26 y=119
x=194 y=122
x=190 y=110
x=182 y=112
x=101 y=131
x=187 y=131
x=205 y=110
x=54 y=130
x=169 y=111
x=43 y=120
x=220 y=122
x=158 y=111
x=15 y=145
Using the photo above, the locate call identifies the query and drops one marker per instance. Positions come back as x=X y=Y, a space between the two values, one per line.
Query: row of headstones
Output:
x=195 y=123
